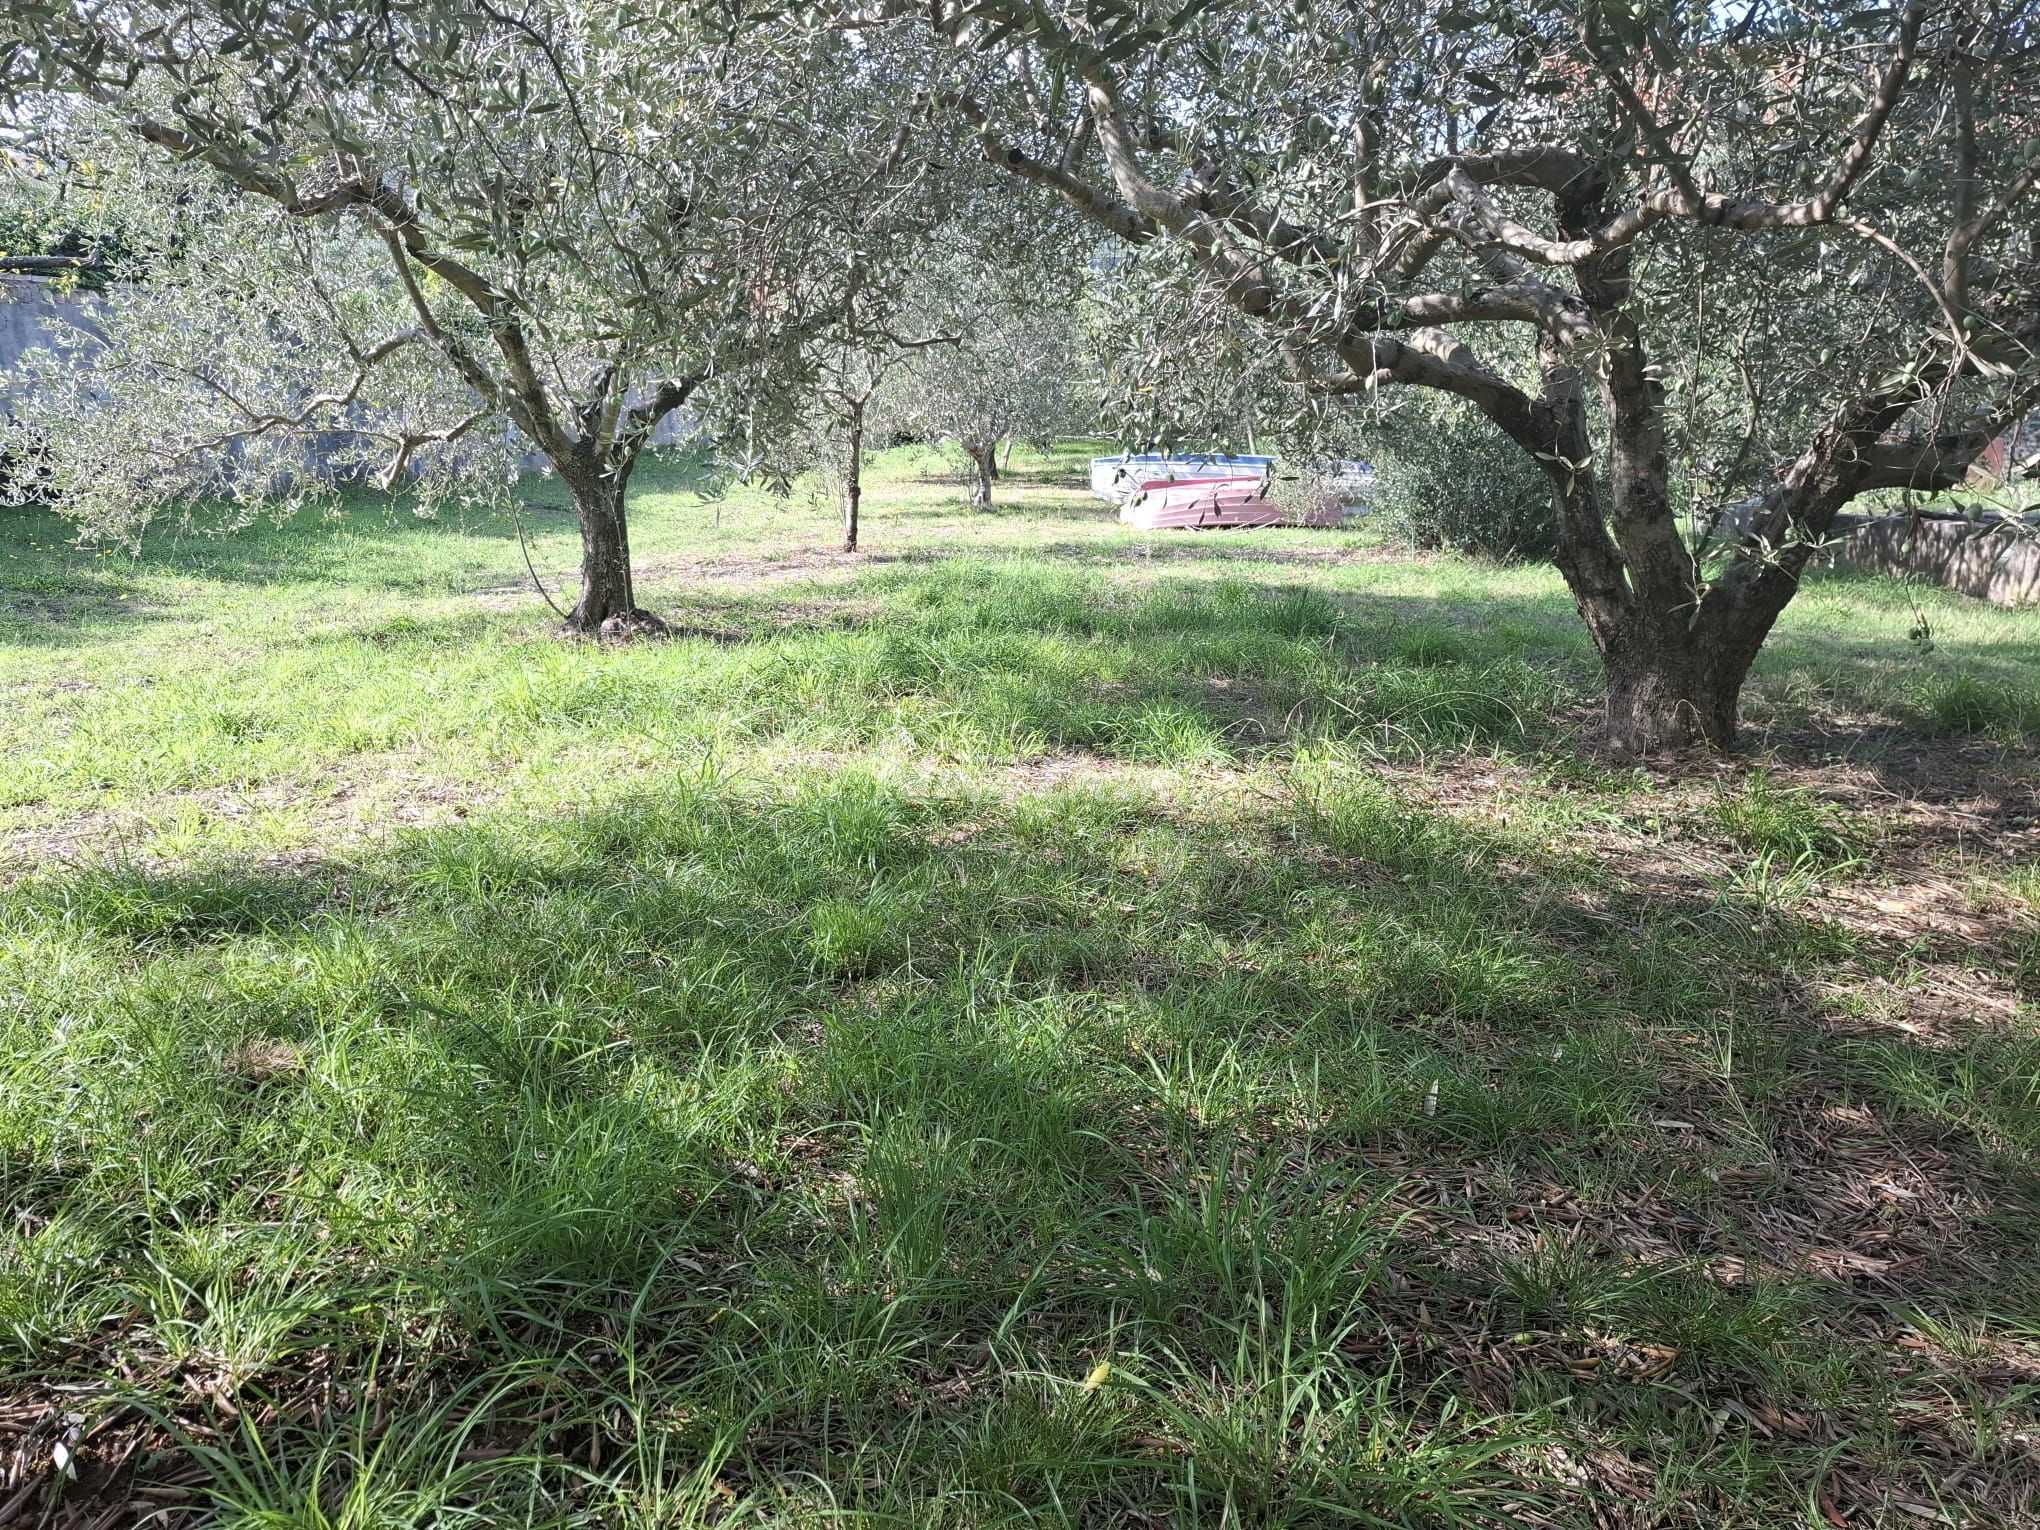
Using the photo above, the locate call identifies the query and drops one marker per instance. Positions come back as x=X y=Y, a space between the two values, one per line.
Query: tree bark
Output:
x=985 y=457
x=608 y=603
x=853 y=477
x=1664 y=699
x=1677 y=661
x=1672 y=675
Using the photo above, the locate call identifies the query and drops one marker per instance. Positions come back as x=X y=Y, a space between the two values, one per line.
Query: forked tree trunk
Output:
x=985 y=458
x=853 y=477
x=607 y=606
x=1673 y=674
x=1674 y=670
x=1673 y=656
x=1675 y=650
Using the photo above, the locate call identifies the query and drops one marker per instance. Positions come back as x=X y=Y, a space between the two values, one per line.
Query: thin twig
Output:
x=517 y=520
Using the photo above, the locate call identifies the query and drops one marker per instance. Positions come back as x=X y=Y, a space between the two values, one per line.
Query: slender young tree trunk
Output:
x=853 y=477
x=985 y=457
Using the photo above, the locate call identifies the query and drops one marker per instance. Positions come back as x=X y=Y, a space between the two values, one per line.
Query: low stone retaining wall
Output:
x=33 y=312
x=1979 y=558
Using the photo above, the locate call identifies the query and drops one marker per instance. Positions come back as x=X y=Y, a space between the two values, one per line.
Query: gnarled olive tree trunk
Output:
x=1674 y=649
x=597 y=473
x=1677 y=633
x=596 y=466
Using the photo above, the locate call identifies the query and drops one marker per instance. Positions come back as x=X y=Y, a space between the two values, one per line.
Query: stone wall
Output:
x=1970 y=556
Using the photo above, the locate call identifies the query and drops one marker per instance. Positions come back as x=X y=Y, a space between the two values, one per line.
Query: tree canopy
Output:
x=584 y=217
x=1756 y=252
x=1716 y=272
x=1016 y=369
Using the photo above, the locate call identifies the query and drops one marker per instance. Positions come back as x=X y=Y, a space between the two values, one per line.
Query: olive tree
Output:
x=873 y=329
x=1774 y=255
x=1016 y=370
x=853 y=376
x=577 y=219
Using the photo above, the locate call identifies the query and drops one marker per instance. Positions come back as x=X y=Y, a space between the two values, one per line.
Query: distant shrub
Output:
x=1445 y=477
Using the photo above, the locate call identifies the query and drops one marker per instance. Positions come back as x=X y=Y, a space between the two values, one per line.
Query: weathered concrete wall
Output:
x=1968 y=556
x=31 y=313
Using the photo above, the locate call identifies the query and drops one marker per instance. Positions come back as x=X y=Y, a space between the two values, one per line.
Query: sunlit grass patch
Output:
x=1966 y=703
x=1919 y=655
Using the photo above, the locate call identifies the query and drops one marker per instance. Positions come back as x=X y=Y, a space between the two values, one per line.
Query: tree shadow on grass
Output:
x=50 y=592
x=835 y=1136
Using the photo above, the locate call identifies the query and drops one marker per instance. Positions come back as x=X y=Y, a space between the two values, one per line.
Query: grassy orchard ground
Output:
x=449 y=1071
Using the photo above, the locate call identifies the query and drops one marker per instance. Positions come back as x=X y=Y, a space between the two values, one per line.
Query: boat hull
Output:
x=1170 y=504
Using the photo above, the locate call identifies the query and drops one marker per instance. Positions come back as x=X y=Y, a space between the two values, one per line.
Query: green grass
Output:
x=1032 y=1024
